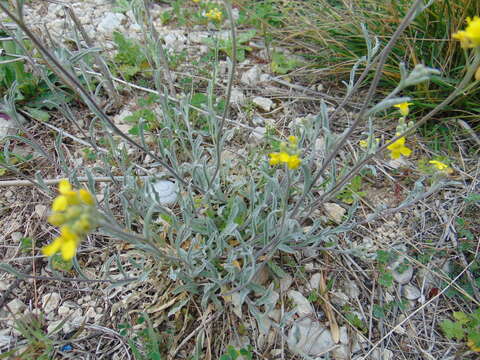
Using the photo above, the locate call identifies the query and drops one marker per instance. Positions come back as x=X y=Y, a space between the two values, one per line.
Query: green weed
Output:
x=38 y=344
x=225 y=45
x=145 y=344
x=464 y=327
x=233 y=354
x=130 y=58
x=352 y=191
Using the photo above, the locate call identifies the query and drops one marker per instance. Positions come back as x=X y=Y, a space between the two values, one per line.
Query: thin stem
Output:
x=98 y=60
x=27 y=180
x=161 y=52
x=118 y=231
x=218 y=140
x=278 y=238
x=56 y=181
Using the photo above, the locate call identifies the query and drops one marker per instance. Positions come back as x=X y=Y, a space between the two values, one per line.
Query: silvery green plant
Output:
x=230 y=218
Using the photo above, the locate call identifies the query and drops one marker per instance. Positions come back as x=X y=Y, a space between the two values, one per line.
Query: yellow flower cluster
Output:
x=292 y=161
x=72 y=211
x=470 y=37
x=438 y=164
x=364 y=143
x=441 y=167
x=214 y=14
x=287 y=155
x=398 y=148
x=403 y=108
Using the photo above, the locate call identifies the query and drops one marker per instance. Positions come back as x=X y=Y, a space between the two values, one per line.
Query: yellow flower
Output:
x=86 y=197
x=398 y=148
x=283 y=157
x=65 y=188
x=66 y=198
x=72 y=211
x=403 y=108
x=60 y=203
x=363 y=143
x=82 y=225
x=470 y=37
x=293 y=140
x=56 y=219
x=274 y=158
x=196 y=1
x=293 y=162
x=438 y=164
x=214 y=14
x=66 y=243
x=462 y=36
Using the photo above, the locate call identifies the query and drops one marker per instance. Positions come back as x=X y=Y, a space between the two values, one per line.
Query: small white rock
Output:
x=41 y=210
x=90 y=313
x=344 y=335
x=258 y=120
x=237 y=97
x=251 y=77
x=334 y=211
x=303 y=306
x=285 y=283
x=68 y=327
x=315 y=281
x=135 y=28
x=339 y=298
x=403 y=277
x=425 y=277
x=263 y=103
x=264 y=78
x=341 y=352
x=309 y=267
x=351 y=289
x=16 y=236
x=3 y=285
x=63 y=310
x=257 y=134
x=398 y=163
x=410 y=292
x=165 y=190
x=110 y=22
x=309 y=337
x=5 y=337
x=77 y=313
x=198 y=37
x=16 y=306
x=379 y=354
x=175 y=41
x=50 y=302
x=53 y=326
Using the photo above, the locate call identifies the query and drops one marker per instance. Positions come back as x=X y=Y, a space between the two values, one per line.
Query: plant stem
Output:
x=218 y=140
